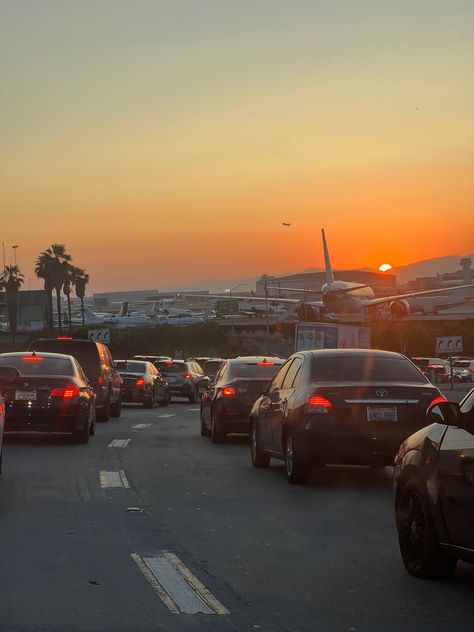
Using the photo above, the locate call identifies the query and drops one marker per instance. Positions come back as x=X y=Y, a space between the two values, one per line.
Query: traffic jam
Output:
x=314 y=409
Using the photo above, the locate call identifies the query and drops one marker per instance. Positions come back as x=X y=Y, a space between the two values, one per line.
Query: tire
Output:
x=163 y=402
x=217 y=436
x=93 y=425
x=193 y=397
x=150 y=402
x=82 y=436
x=258 y=457
x=297 y=468
x=421 y=552
x=116 y=409
x=103 y=413
x=205 y=432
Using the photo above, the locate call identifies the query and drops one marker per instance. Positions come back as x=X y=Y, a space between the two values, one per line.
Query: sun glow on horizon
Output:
x=385 y=267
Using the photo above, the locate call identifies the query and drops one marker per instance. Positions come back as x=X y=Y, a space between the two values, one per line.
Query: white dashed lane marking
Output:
x=176 y=586
x=140 y=426
x=119 y=443
x=113 y=479
x=193 y=410
x=166 y=415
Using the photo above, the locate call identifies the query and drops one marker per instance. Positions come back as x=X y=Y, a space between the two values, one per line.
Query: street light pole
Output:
x=14 y=251
x=230 y=290
x=4 y=243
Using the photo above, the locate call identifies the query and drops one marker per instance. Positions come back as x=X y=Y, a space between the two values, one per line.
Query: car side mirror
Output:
x=450 y=413
x=8 y=374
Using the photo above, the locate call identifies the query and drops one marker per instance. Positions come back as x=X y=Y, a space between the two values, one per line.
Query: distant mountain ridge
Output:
x=428 y=267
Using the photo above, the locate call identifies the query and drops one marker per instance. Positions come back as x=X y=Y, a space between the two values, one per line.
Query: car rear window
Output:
x=464 y=364
x=128 y=365
x=253 y=369
x=39 y=365
x=211 y=367
x=171 y=367
x=365 y=369
x=86 y=353
x=421 y=361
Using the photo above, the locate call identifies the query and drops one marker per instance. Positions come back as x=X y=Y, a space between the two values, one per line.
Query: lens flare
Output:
x=385 y=267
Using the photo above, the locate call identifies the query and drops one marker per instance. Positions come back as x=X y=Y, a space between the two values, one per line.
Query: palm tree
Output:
x=51 y=266
x=43 y=270
x=11 y=279
x=69 y=277
x=80 y=280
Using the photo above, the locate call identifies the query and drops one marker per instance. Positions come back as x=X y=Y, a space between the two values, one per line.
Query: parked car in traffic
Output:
x=142 y=383
x=434 y=491
x=184 y=378
x=8 y=375
x=435 y=369
x=98 y=365
x=201 y=360
x=226 y=403
x=50 y=394
x=151 y=358
x=464 y=369
x=341 y=406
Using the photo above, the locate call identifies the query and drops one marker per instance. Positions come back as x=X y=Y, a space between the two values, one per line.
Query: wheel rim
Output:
x=413 y=529
x=289 y=456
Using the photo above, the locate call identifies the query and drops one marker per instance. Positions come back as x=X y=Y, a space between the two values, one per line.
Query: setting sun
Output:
x=385 y=267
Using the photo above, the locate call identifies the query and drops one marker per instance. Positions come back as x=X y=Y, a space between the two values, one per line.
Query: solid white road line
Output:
x=119 y=443
x=166 y=415
x=113 y=479
x=140 y=426
x=193 y=410
x=177 y=587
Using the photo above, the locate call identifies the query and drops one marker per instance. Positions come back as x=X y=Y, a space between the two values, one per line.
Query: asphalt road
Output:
x=276 y=557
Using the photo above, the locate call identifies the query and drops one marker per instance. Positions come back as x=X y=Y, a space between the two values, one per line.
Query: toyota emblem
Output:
x=381 y=392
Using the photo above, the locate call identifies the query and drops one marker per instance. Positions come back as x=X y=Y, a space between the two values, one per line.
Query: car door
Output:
x=457 y=480
x=270 y=405
x=283 y=405
x=210 y=394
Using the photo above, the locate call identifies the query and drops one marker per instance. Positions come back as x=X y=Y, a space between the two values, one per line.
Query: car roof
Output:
x=255 y=359
x=352 y=353
x=41 y=354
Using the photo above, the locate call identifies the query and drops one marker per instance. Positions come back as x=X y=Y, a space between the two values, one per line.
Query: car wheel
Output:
x=163 y=402
x=103 y=414
x=82 y=435
x=259 y=458
x=419 y=546
x=149 y=402
x=217 y=436
x=93 y=424
x=205 y=432
x=193 y=397
x=297 y=468
x=116 y=409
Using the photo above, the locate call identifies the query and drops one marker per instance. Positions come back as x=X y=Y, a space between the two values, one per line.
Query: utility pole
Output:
x=14 y=252
x=4 y=243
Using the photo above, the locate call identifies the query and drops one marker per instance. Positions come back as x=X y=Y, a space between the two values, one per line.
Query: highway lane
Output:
x=277 y=557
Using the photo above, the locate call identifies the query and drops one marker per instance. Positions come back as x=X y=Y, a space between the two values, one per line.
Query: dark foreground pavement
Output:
x=279 y=558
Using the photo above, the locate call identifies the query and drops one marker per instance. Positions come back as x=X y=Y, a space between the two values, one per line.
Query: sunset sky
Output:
x=167 y=141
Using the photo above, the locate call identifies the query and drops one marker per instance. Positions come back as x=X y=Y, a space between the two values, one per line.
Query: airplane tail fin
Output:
x=327 y=261
x=123 y=310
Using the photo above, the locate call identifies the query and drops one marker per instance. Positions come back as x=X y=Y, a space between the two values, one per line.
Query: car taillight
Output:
x=319 y=405
x=68 y=392
x=100 y=379
x=187 y=376
x=140 y=381
x=33 y=358
x=438 y=400
x=228 y=391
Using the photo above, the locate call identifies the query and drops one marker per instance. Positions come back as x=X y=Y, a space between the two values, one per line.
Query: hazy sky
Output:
x=166 y=141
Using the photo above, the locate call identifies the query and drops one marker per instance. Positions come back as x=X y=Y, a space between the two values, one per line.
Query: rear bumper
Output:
x=332 y=441
x=43 y=423
x=185 y=390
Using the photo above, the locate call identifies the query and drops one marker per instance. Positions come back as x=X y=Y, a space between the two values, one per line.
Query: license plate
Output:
x=382 y=413
x=171 y=380
x=25 y=395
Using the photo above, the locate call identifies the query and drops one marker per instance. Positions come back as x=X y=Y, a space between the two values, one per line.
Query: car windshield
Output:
x=39 y=365
x=259 y=370
x=131 y=366
x=85 y=352
x=365 y=369
x=171 y=367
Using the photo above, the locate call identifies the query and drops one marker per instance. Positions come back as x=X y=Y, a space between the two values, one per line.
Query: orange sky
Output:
x=163 y=144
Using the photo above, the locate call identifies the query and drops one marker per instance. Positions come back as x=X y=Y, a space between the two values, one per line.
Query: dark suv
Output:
x=184 y=378
x=98 y=365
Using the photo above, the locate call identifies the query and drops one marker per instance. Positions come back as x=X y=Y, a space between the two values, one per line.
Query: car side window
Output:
x=277 y=381
x=468 y=406
x=220 y=373
x=292 y=373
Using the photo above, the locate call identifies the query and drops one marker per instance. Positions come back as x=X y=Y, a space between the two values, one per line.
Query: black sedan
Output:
x=142 y=383
x=51 y=394
x=434 y=491
x=7 y=376
x=226 y=403
x=345 y=406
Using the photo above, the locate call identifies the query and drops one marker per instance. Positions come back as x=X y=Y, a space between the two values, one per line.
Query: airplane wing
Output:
x=400 y=297
x=273 y=299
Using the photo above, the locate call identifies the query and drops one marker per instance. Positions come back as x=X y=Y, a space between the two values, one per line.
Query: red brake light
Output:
x=100 y=379
x=33 y=358
x=438 y=400
x=187 y=376
x=264 y=363
x=140 y=381
x=228 y=391
x=318 y=404
x=67 y=392
x=63 y=337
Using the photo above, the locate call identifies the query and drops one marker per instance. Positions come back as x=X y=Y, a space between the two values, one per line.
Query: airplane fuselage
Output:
x=338 y=300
